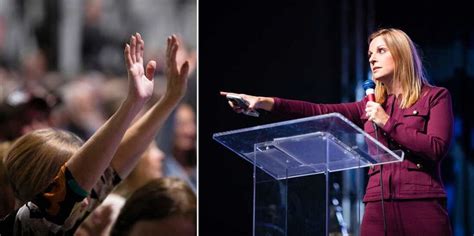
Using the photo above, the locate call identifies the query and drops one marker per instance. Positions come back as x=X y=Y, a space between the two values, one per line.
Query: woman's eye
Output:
x=382 y=50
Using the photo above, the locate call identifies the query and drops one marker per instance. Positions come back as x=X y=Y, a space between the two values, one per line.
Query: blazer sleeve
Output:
x=292 y=109
x=434 y=143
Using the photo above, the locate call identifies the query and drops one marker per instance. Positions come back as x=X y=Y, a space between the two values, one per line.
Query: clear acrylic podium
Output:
x=290 y=196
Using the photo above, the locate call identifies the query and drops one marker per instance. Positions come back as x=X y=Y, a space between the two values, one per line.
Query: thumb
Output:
x=184 y=70
x=252 y=106
x=150 y=69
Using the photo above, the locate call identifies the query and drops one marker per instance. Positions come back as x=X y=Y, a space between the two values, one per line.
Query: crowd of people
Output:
x=79 y=151
x=74 y=150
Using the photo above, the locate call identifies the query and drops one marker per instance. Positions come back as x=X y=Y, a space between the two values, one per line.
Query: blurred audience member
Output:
x=184 y=149
x=81 y=99
x=21 y=114
x=165 y=206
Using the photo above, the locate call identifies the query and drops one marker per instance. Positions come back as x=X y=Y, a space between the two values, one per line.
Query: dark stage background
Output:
x=316 y=51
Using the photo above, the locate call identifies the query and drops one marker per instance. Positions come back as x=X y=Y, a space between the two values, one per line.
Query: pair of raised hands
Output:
x=141 y=78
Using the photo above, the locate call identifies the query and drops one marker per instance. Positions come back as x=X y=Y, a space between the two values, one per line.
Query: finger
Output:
x=168 y=47
x=223 y=93
x=133 y=48
x=236 y=108
x=184 y=70
x=140 y=48
x=232 y=105
x=150 y=70
x=372 y=104
x=173 y=38
x=367 y=114
x=173 y=53
x=126 y=54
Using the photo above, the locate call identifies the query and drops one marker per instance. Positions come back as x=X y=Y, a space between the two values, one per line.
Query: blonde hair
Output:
x=35 y=158
x=7 y=201
x=4 y=146
x=408 y=71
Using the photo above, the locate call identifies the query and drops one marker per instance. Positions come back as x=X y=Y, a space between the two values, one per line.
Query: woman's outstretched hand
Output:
x=140 y=79
x=254 y=102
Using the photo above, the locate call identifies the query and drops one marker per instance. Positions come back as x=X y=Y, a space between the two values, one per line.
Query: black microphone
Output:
x=369 y=87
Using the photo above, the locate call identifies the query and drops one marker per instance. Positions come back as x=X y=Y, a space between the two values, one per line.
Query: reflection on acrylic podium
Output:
x=297 y=173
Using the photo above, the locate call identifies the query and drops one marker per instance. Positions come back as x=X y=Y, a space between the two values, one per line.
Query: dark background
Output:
x=316 y=51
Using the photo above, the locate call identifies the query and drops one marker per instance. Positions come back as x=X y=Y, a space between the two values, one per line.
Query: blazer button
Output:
x=415 y=112
x=419 y=166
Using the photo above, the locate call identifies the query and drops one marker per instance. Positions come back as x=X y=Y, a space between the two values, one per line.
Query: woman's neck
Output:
x=393 y=88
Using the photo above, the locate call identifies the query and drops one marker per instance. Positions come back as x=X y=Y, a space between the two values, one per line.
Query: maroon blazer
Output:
x=422 y=131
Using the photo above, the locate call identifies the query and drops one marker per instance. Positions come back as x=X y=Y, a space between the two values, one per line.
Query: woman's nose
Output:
x=372 y=59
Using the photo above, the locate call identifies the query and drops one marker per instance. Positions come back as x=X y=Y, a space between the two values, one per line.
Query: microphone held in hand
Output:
x=369 y=87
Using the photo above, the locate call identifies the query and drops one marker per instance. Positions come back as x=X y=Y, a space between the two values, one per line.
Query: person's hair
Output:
x=36 y=157
x=158 y=199
x=4 y=146
x=409 y=72
x=7 y=202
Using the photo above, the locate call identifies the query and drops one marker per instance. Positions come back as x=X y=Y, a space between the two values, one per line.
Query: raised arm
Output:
x=142 y=132
x=91 y=160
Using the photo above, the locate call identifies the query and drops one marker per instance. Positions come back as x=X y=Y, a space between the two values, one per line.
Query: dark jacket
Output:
x=422 y=131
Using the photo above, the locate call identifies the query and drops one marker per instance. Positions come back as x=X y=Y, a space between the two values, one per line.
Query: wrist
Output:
x=133 y=104
x=265 y=103
x=172 y=97
x=170 y=101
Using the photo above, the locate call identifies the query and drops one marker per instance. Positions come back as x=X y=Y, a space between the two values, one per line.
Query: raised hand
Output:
x=176 y=74
x=140 y=79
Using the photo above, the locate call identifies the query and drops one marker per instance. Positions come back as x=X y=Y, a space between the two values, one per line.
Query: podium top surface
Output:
x=307 y=146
